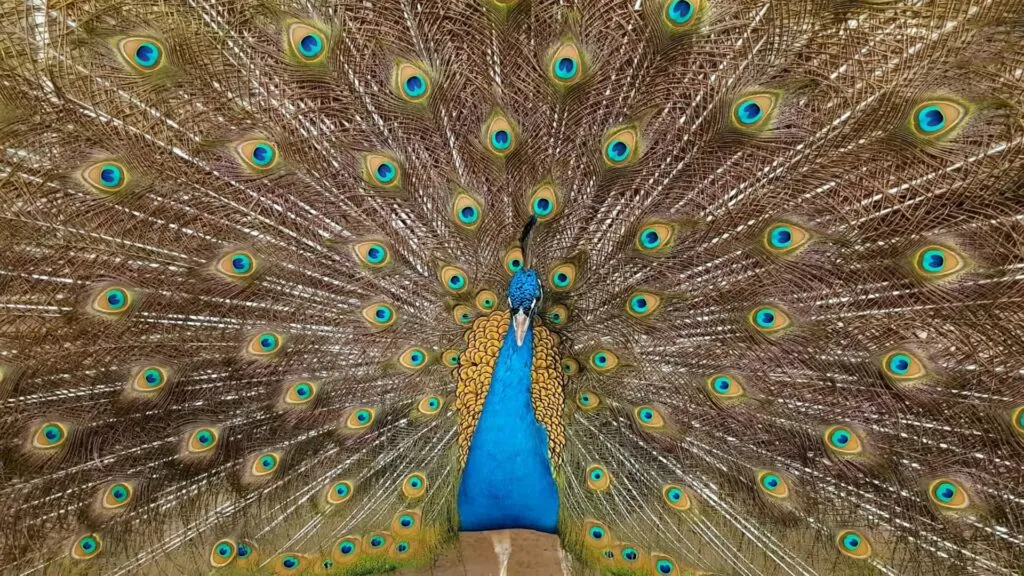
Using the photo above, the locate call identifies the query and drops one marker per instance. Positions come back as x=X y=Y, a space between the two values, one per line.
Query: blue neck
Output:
x=507 y=482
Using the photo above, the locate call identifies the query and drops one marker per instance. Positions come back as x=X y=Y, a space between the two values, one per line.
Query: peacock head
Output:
x=524 y=291
x=524 y=294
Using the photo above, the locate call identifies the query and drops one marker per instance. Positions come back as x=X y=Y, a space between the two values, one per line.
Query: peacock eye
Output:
x=300 y=393
x=105 y=177
x=454 y=279
x=307 y=43
x=223 y=552
x=258 y=155
x=664 y=566
x=202 y=440
x=679 y=14
x=587 y=400
x=544 y=202
x=410 y=82
x=936 y=119
x=413 y=358
x=772 y=484
x=641 y=304
x=414 y=485
x=372 y=254
x=655 y=238
x=566 y=65
x=87 y=546
x=598 y=478
x=265 y=344
x=603 y=361
x=499 y=135
x=450 y=357
x=430 y=405
x=902 y=367
x=785 y=239
x=467 y=211
x=853 y=544
x=381 y=170
x=339 y=492
x=843 y=441
x=236 y=265
x=406 y=522
x=675 y=497
x=948 y=493
x=769 y=320
x=513 y=260
x=360 y=418
x=142 y=53
x=754 y=111
x=620 y=146
x=379 y=315
x=936 y=262
x=117 y=495
x=50 y=435
x=724 y=386
x=265 y=464
x=347 y=547
x=558 y=314
x=113 y=301
x=570 y=366
x=649 y=417
x=562 y=277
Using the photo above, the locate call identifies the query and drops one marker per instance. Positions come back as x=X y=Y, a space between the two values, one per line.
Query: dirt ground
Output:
x=533 y=554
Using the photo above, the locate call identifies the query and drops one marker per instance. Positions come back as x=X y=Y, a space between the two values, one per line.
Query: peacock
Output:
x=697 y=286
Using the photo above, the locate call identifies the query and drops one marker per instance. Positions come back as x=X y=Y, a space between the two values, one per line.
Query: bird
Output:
x=697 y=286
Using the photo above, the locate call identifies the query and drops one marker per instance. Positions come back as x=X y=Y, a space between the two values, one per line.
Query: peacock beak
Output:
x=521 y=322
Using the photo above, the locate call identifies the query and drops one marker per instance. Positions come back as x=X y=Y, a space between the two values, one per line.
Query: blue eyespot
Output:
x=931 y=119
x=402 y=547
x=111 y=176
x=646 y=415
x=561 y=279
x=241 y=263
x=617 y=150
x=205 y=438
x=771 y=481
x=851 y=542
x=311 y=45
x=542 y=206
x=515 y=264
x=638 y=304
x=585 y=399
x=765 y=318
x=415 y=482
x=680 y=11
x=840 y=438
x=650 y=238
x=376 y=542
x=406 y=521
x=630 y=554
x=415 y=86
x=601 y=359
x=899 y=364
x=346 y=548
x=596 y=474
x=363 y=416
x=341 y=489
x=565 y=68
x=147 y=55
x=382 y=313
x=268 y=342
x=119 y=492
x=722 y=384
x=244 y=551
x=386 y=172
x=262 y=155
x=468 y=215
x=116 y=298
x=290 y=562
x=224 y=550
x=501 y=139
x=675 y=494
x=933 y=261
x=665 y=567
x=781 y=236
x=596 y=532
x=456 y=281
x=376 y=254
x=416 y=358
x=945 y=491
x=749 y=112
x=52 y=434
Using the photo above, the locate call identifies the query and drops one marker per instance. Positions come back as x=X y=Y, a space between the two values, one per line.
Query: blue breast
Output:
x=507 y=482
